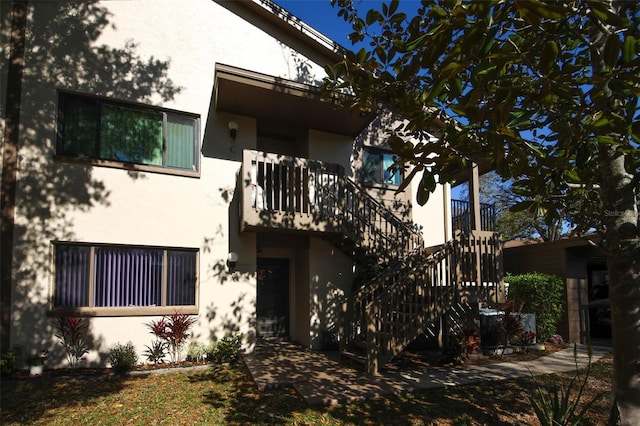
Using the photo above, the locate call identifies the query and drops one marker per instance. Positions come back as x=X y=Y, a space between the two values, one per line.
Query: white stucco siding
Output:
x=194 y=37
x=77 y=202
x=431 y=216
x=331 y=148
x=330 y=278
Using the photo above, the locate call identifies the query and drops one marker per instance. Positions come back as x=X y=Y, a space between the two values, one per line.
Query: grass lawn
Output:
x=226 y=395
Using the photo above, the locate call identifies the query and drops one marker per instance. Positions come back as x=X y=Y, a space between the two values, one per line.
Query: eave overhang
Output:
x=253 y=94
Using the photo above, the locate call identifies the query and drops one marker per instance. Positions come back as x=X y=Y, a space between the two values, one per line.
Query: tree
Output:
x=520 y=224
x=546 y=93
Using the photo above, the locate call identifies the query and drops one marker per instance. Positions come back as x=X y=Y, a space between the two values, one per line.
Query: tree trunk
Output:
x=623 y=261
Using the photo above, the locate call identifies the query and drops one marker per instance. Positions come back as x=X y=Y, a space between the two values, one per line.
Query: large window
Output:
x=97 y=276
x=378 y=168
x=102 y=129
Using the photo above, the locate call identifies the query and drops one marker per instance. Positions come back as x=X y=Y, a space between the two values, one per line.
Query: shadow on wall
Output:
x=63 y=54
x=375 y=136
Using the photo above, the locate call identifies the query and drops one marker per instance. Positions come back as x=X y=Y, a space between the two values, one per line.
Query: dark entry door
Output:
x=273 y=297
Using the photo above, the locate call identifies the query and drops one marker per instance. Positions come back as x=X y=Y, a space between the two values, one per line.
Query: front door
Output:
x=273 y=297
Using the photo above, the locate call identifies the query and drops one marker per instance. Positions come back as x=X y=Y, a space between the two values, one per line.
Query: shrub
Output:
x=156 y=352
x=39 y=358
x=173 y=329
x=227 y=349
x=557 y=405
x=510 y=324
x=71 y=332
x=197 y=351
x=460 y=346
x=123 y=358
x=541 y=294
x=8 y=360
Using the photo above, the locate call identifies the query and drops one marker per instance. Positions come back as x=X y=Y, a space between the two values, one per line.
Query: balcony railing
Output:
x=461 y=216
x=281 y=192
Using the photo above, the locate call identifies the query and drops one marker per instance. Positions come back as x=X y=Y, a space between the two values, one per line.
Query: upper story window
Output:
x=125 y=280
x=102 y=129
x=377 y=168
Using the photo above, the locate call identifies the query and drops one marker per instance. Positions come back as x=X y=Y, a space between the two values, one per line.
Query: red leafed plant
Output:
x=174 y=330
x=511 y=322
x=71 y=332
x=526 y=339
x=473 y=341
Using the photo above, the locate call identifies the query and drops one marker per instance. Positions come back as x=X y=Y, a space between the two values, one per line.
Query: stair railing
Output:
x=322 y=190
x=397 y=305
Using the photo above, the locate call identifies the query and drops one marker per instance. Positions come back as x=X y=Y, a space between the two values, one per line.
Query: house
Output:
x=581 y=263
x=164 y=156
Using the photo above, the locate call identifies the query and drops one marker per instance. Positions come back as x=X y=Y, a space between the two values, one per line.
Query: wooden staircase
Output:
x=414 y=286
x=381 y=318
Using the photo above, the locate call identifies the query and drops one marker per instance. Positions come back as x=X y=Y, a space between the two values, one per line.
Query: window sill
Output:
x=127 y=166
x=133 y=311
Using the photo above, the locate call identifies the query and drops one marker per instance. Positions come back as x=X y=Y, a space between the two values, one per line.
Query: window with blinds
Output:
x=102 y=276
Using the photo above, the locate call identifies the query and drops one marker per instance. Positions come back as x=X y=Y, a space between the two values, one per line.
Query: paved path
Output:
x=321 y=380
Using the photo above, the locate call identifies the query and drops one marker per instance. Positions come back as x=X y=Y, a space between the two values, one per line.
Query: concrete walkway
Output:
x=321 y=380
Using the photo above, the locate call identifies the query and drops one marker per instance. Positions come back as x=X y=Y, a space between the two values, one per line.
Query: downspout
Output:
x=10 y=141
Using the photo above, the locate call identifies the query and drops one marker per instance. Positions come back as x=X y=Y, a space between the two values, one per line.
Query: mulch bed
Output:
x=426 y=358
x=408 y=359
x=89 y=371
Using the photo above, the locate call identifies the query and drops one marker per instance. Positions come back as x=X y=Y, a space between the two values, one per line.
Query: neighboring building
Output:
x=582 y=264
x=156 y=140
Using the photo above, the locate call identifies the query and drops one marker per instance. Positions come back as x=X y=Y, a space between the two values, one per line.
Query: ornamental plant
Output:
x=123 y=358
x=526 y=339
x=558 y=405
x=174 y=330
x=39 y=358
x=72 y=331
x=227 y=349
x=510 y=325
x=8 y=360
x=157 y=352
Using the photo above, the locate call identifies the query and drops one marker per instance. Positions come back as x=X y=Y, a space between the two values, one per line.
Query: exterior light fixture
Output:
x=232 y=260
x=233 y=129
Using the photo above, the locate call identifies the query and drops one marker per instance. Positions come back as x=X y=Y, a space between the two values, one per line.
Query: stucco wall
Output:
x=173 y=47
x=162 y=53
x=330 y=277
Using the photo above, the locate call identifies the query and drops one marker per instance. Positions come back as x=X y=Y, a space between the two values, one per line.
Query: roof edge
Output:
x=293 y=25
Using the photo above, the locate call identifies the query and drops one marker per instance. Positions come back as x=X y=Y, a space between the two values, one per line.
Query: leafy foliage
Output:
x=541 y=294
x=197 y=351
x=72 y=331
x=174 y=330
x=460 y=346
x=123 y=358
x=521 y=224
x=544 y=92
x=556 y=405
x=226 y=349
x=9 y=359
x=521 y=81
x=510 y=324
x=157 y=352
x=39 y=358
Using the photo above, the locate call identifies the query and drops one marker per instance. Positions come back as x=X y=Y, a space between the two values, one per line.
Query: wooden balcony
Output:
x=462 y=217
x=289 y=193
x=307 y=196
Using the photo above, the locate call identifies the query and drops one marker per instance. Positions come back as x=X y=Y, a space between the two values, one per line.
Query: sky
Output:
x=320 y=15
